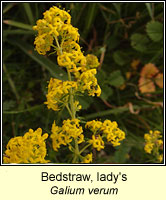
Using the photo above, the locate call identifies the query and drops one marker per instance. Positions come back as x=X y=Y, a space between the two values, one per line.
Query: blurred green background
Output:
x=119 y=34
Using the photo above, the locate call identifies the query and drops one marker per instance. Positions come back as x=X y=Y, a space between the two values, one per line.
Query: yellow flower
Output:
x=71 y=56
x=160 y=158
x=113 y=133
x=97 y=142
x=43 y=43
x=30 y=148
x=66 y=60
x=108 y=130
x=72 y=128
x=94 y=126
x=92 y=61
x=87 y=81
x=80 y=139
x=56 y=23
x=152 y=140
x=57 y=136
x=153 y=144
x=72 y=61
x=87 y=158
x=53 y=13
x=58 y=92
x=135 y=63
x=64 y=135
x=69 y=33
x=148 y=147
x=77 y=106
x=70 y=46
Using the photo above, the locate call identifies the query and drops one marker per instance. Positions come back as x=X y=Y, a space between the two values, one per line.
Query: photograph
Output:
x=82 y=83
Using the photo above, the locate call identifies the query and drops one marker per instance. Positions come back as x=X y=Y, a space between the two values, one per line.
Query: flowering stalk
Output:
x=56 y=28
x=154 y=144
x=71 y=110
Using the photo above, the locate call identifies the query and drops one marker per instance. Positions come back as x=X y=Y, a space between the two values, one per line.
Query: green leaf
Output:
x=114 y=111
x=121 y=153
x=18 y=24
x=11 y=82
x=8 y=7
x=155 y=30
x=120 y=58
x=54 y=69
x=149 y=8
x=18 y=32
x=117 y=7
x=101 y=75
x=139 y=42
x=24 y=110
x=116 y=79
x=112 y=42
x=7 y=105
x=90 y=17
x=85 y=101
x=6 y=54
x=29 y=13
x=106 y=91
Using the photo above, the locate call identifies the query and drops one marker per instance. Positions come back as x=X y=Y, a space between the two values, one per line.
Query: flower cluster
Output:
x=153 y=144
x=72 y=58
x=108 y=130
x=30 y=148
x=55 y=28
x=88 y=82
x=91 y=61
x=71 y=130
x=55 y=33
x=58 y=93
x=56 y=22
x=64 y=135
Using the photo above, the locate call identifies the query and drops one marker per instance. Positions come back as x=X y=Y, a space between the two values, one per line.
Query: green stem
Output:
x=83 y=149
x=114 y=111
x=68 y=110
x=76 y=153
x=71 y=110
x=22 y=111
x=71 y=97
x=11 y=83
x=60 y=49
